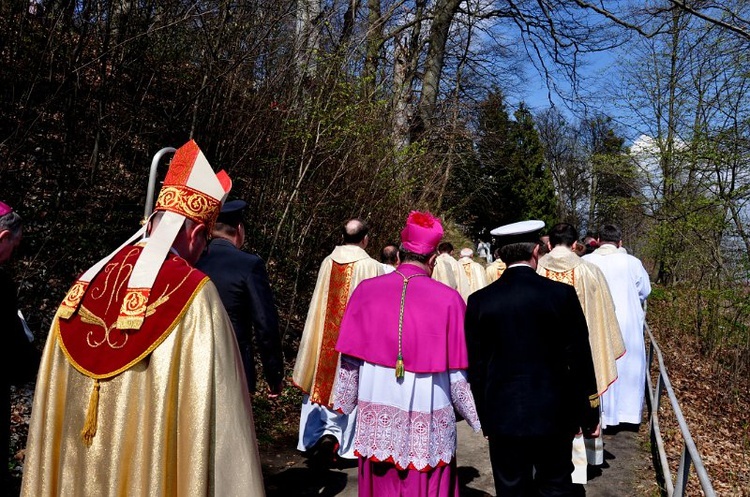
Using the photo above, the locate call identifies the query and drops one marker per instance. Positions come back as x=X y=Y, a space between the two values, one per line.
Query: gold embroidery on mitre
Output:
x=72 y=300
x=568 y=277
x=193 y=204
x=133 y=309
x=594 y=400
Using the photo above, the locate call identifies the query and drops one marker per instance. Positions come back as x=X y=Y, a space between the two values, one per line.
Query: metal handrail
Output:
x=690 y=454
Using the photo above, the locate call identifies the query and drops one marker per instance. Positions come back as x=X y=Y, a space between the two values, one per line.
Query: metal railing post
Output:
x=658 y=390
x=149 y=208
x=690 y=454
x=683 y=471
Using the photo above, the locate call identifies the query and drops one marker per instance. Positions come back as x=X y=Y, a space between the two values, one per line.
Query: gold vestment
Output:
x=448 y=271
x=562 y=264
x=317 y=362
x=475 y=273
x=494 y=270
x=177 y=423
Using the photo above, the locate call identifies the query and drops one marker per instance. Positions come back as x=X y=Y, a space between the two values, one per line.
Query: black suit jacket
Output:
x=244 y=289
x=19 y=360
x=530 y=365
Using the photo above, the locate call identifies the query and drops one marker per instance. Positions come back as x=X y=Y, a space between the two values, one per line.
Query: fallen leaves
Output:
x=716 y=407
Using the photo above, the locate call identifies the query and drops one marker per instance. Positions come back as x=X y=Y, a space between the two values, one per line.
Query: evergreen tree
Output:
x=495 y=151
x=615 y=180
x=530 y=176
x=516 y=184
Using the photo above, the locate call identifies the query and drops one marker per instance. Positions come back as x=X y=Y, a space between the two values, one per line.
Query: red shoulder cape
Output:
x=90 y=339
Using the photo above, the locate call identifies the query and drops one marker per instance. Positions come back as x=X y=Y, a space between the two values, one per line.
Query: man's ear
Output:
x=199 y=231
x=239 y=239
x=5 y=235
x=431 y=260
x=535 y=253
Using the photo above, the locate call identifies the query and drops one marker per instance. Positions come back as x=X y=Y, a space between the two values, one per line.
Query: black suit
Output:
x=19 y=361
x=244 y=289
x=532 y=376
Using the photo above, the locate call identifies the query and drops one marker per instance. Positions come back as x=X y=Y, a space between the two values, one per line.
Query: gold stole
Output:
x=328 y=358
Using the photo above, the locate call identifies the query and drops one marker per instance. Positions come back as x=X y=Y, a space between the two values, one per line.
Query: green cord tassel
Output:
x=400 y=368
x=400 y=359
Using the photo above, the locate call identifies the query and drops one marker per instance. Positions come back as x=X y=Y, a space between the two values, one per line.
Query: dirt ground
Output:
x=627 y=470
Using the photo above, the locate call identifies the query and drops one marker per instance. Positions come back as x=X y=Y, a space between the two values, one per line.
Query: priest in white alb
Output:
x=630 y=286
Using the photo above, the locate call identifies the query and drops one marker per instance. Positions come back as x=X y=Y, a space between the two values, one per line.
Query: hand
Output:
x=275 y=391
x=593 y=433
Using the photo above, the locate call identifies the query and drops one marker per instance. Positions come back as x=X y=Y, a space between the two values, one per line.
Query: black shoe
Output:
x=324 y=452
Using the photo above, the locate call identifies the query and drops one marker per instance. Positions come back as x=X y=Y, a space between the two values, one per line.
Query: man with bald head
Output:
x=325 y=433
x=389 y=258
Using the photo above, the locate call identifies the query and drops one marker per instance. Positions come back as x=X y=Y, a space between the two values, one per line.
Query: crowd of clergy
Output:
x=144 y=383
x=391 y=350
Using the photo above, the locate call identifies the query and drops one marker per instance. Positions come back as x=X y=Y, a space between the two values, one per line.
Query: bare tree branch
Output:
x=713 y=20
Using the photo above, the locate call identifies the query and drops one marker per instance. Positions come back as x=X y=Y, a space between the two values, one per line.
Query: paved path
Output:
x=626 y=472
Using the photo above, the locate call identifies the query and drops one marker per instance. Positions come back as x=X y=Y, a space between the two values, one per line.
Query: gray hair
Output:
x=187 y=225
x=11 y=222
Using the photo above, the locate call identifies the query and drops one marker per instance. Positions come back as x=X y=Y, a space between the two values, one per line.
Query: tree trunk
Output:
x=349 y=18
x=444 y=12
x=373 y=43
x=308 y=38
x=401 y=97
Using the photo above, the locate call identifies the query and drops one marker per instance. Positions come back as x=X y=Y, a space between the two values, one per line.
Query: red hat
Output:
x=5 y=209
x=422 y=233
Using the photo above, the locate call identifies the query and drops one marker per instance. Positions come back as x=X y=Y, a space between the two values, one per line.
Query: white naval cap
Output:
x=522 y=231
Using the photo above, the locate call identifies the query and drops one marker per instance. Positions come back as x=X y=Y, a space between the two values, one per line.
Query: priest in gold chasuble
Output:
x=317 y=363
x=141 y=389
x=449 y=272
x=564 y=265
x=495 y=269
x=474 y=271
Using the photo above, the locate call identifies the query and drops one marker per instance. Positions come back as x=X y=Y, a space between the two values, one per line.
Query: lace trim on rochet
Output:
x=347 y=383
x=463 y=400
x=411 y=440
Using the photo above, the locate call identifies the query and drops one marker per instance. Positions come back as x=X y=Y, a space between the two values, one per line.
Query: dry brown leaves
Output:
x=20 y=413
x=716 y=407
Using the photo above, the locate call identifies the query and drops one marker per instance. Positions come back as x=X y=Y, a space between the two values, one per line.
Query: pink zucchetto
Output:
x=422 y=233
x=5 y=209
